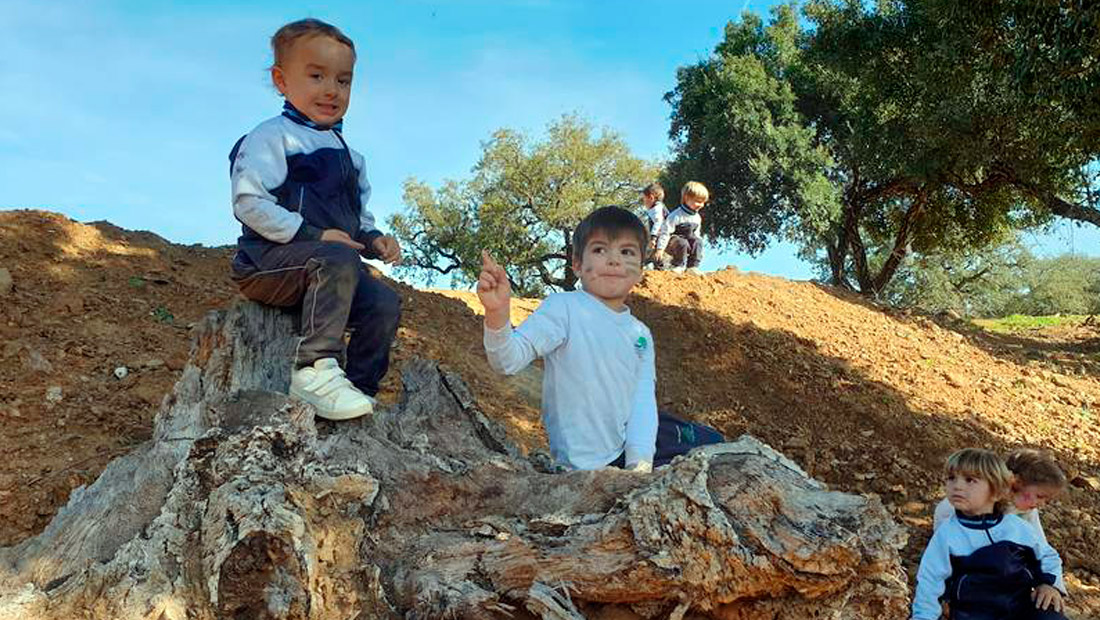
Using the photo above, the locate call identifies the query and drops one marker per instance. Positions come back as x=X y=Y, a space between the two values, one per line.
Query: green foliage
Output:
x=521 y=204
x=1022 y=322
x=735 y=127
x=1064 y=284
x=161 y=314
x=998 y=281
x=929 y=125
x=973 y=284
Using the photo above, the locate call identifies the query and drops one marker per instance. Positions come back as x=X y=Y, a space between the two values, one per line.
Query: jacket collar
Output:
x=293 y=114
x=979 y=522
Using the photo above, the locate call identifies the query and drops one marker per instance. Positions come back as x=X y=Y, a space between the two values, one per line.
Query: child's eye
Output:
x=344 y=81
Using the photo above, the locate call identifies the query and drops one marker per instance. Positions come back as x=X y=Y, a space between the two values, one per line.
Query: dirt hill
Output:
x=865 y=399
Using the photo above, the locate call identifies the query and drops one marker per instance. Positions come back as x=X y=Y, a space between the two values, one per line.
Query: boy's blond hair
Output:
x=1032 y=467
x=695 y=189
x=984 y=464
x=655 y=191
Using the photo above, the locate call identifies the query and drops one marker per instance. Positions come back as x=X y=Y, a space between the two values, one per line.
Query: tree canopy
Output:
x=521 y=204
x=998 y=281
x=928 y=126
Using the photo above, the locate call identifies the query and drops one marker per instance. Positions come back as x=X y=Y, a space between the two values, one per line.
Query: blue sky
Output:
x=126 y=111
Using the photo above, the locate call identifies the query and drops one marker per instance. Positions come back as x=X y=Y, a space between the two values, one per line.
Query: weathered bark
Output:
x=242 y=506
x=1072 y=210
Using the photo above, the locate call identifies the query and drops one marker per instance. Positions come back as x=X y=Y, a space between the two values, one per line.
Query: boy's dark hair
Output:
x=654 y=190
x=612 y=221
x=1035 y=467
x=286 y=36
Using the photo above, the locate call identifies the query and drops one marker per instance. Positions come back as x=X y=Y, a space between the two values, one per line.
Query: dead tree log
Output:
x=244 y=506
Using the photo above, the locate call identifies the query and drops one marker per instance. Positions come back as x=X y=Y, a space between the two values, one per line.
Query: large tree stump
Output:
x=244 y=506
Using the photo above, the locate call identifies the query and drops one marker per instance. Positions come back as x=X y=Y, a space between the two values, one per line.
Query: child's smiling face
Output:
x=610 y=267
x=315 y=77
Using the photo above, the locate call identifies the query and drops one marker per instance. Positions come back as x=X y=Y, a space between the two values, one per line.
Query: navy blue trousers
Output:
x=675 y=437
x=330 y=284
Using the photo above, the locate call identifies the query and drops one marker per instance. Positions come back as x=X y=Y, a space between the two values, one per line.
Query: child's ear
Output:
x=278 y=79
x=576 y=267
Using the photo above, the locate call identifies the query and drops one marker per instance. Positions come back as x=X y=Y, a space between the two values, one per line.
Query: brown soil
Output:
x=865 y=399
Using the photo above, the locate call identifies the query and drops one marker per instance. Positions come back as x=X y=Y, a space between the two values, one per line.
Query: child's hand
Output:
x=494 y=291
x=1047 y=597
x=339 y=236
x=387 y=248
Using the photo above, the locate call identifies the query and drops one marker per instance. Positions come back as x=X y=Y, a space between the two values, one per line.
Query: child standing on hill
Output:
x=679 y=244
x=988 y=565
x=1036 y=479
x=599 y=401
x=300 y=194
x=653 y=198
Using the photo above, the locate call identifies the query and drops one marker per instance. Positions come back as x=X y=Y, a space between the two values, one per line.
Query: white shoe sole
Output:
x=328 y=414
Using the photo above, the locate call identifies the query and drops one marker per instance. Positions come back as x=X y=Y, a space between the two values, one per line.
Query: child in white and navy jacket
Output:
x=1036 y=480
x=680 y=243
x=985 y=564
x=300 y=194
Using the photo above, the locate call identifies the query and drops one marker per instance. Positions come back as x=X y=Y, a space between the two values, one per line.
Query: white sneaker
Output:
x=695 y=271
x=324 y=386
x=678 y=269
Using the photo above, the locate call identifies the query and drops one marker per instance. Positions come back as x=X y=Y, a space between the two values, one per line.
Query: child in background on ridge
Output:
x=652 y=197
x=679 y=244
x=1036 y=479
x=300 y=194
x=986 y=564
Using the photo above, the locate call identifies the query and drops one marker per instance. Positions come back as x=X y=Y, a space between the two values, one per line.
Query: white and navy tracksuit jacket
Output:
x=682 y=222
x=985 y=567
x=292 y=179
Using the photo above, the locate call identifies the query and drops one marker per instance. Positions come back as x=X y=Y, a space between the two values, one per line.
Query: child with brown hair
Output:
x=653 y=197
x=300 y=194
x=986 y=564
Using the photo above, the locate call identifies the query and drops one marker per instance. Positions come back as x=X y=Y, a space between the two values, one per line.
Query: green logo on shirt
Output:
x=640 y=345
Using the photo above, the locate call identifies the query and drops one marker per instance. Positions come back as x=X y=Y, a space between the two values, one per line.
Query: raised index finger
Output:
x=487 y=261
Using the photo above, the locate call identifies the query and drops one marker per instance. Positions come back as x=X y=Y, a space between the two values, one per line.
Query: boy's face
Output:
x=694 y=203
x=1031 y=496
x=609 y=268
x=316 y=78
x=648 y=200
x=969 y=494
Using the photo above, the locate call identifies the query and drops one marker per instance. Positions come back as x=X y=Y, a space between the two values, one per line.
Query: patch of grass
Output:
x=1022 y=322
x=162 y=315
x=136 y=282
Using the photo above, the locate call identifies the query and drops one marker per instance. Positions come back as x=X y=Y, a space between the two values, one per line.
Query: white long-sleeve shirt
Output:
x=944 y=512
x=955 y=539
x=599 y=387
